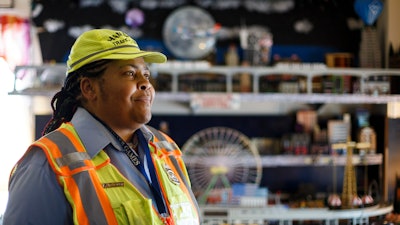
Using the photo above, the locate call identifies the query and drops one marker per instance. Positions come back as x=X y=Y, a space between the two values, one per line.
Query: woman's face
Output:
x=124 y=95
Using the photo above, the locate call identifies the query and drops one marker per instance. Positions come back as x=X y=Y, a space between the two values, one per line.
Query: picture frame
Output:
x=6 y=3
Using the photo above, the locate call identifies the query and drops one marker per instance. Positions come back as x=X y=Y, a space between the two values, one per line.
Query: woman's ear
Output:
x=88 y=88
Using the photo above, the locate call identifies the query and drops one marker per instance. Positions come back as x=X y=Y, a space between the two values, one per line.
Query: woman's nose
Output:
x=144 y=83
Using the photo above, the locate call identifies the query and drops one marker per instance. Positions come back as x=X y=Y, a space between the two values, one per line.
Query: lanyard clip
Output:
x=167 y=220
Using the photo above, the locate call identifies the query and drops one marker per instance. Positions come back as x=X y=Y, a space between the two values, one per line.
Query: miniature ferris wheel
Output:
x=218 y=157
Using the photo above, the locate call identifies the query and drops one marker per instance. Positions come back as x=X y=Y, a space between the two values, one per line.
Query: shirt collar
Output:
x=94 y=135
x=147 y=133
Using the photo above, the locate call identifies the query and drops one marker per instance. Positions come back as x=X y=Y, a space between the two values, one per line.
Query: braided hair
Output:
x=65 y=102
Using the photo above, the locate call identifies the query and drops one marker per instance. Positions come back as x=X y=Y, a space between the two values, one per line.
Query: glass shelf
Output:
x=282 y=97
x=300 y=160
x=46 y=80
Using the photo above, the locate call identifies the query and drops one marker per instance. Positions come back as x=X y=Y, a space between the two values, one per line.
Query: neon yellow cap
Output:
x=99 y=44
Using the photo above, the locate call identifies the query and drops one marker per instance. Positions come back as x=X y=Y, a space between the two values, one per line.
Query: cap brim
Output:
x=149 y=57
x=154 y=57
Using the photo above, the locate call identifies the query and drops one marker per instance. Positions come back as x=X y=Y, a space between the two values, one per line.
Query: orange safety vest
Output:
x=100 y=194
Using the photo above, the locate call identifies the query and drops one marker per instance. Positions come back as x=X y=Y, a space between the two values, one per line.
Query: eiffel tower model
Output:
x=349 y=190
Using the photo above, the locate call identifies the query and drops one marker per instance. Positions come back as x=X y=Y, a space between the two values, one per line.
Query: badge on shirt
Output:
x=113 y=184
x=171 y=175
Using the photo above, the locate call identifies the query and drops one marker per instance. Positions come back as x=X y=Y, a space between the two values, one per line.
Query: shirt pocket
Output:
x=182 y=210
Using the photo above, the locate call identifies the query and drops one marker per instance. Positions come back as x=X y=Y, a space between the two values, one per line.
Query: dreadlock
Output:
x=66 y=101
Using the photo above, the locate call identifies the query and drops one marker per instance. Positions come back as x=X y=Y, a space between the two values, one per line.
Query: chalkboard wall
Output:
x=329 y=19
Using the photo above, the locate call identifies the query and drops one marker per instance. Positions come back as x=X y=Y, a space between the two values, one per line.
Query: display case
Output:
x=259 y=101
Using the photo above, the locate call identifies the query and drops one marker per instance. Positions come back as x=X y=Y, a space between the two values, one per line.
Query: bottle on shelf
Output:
x=232 y=56
x=366 y=133
x=347 y=120
x=245 y=79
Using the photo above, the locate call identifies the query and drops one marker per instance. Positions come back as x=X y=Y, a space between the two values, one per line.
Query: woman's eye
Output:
x=147 y=75
x=131 y=73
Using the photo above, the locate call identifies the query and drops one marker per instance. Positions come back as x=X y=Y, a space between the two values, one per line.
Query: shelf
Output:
x=282 y=97
x=43 y=91
x=293 y=160
x=239 y=104
x=256 y=104
x=319 y=160
x=46 y=80
x=250 y=215
x=305 y=70
x=250 y=97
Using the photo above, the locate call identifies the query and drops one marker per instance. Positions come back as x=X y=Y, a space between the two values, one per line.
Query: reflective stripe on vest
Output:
x=77 y=173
